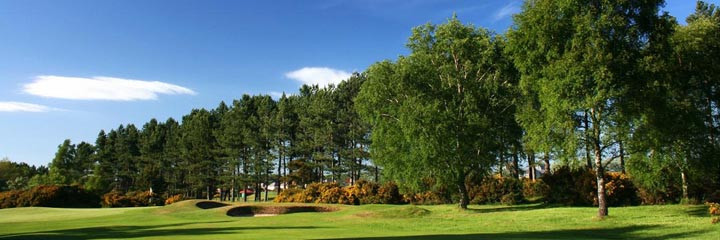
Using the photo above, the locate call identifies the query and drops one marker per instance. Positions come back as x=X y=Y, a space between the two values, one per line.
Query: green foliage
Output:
x=435 y=112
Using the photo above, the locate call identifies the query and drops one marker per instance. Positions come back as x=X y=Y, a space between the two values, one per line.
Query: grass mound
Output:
x=248 y=211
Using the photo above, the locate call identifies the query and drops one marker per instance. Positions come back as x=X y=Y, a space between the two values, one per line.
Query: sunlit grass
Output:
x=184 y=220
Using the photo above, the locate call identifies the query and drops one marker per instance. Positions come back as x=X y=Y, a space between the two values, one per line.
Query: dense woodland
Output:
x=602 y=86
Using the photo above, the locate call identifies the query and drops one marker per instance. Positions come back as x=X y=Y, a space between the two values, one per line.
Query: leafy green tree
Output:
x=436 y=112
x=102 y=175
x=84 y=162
x=351 y=133
x=198 y=151
x=583 y=57
x=62 y=168
x=16 y=176
x=285 y=123
x=677 y=137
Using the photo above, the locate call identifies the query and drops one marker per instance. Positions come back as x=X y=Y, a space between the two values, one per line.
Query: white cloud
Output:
x=23 y=107
x=101 y=88
x=506 y=11
x=276 y=95
x=321 y=76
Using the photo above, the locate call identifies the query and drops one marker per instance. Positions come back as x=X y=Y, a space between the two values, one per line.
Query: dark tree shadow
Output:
x=514 y=208
x=697 y=211
x=630 y=232
x=125 y=232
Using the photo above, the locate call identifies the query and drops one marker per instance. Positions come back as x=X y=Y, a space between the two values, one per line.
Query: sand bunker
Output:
x=210 y=204
x=258 y=211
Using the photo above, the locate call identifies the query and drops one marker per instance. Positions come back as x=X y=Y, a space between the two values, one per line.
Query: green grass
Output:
x=184 y=220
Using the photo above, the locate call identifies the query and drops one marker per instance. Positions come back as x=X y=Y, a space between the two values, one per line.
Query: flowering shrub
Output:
x=714 y=209
x=50 y=196
x=362 y=192
x=173 y=199
x=130 y=199
x=496 y=189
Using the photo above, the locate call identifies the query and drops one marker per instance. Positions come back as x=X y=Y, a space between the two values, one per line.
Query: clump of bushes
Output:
x=425 y=198
x=534 y=189
x=714 y=209
x=50 y=196
x=173 y=199
x=497 y=189
x=131 y=199
x=362 y=192
x=578 y=187
x=620 y=190
x=10 y=198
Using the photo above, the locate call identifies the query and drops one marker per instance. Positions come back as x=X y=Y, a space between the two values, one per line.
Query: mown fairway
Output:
x=185 y=220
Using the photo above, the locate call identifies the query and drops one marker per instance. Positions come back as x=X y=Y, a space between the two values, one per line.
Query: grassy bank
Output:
x=185 y=220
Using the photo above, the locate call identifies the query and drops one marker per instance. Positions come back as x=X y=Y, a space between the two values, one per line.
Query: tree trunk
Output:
x=600 y=177
x=622 y=157
x=464 y=198
x=377 y=174
x=586 y=121
x=516 y=165
x=280 y=161
x=209 y=194
x=683 y=174
x=531 y=166
x=546 y=158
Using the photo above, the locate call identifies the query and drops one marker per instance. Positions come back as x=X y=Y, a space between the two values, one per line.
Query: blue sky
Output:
x=69 y=68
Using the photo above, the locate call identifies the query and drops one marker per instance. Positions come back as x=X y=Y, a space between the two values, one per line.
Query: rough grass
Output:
x=187 y=220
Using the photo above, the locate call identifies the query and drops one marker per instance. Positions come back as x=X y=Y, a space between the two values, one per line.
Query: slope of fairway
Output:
x=204 y=220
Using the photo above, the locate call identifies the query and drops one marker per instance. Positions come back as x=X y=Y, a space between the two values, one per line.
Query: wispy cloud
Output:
x=23 y=107
x=101 y=88
x=321 y=76
x=506 y=11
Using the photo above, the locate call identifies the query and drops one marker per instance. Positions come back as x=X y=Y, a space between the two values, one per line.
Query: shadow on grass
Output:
x=630 y=232
x=697 y=211
x=125 y=232
x=513 y=208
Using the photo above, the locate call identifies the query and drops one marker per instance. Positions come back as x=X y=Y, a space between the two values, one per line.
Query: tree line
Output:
x=255 y=142
x=602 y=85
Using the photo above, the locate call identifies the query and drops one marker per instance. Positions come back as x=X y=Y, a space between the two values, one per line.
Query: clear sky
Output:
x=69 y=68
